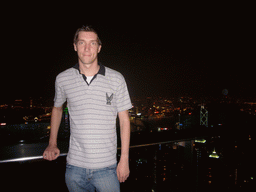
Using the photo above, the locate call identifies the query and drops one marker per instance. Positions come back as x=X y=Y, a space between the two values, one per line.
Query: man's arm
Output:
x=123 y=165
x=52 y=151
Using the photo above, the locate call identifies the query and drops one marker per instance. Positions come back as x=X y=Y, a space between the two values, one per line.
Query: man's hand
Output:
x=122 y=171
x=51 y=152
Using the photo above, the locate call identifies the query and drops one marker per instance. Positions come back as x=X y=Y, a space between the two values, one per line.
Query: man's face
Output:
x=87 y=47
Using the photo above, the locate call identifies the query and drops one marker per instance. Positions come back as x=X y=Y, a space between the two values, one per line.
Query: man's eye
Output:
x=80 y=43
x=94 y=43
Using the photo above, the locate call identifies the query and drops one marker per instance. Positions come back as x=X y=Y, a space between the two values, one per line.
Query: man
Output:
x=95 y=94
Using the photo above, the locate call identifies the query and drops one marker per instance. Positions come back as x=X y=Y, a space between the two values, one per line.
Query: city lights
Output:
x=200 y=141
x=214 y=155
x=155 y=123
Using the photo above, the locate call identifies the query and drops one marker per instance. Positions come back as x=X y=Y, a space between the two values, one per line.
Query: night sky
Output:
x=190 y=54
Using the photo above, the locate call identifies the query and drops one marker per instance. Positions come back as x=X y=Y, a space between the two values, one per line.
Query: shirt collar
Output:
x=101 y=70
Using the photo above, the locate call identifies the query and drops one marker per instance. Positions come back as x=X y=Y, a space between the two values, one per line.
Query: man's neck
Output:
x=89 y=69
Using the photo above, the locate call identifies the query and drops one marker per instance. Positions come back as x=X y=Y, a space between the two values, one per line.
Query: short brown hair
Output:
x=86 y=28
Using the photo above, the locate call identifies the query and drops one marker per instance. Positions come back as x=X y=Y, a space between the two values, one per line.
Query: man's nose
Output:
x=87 y=47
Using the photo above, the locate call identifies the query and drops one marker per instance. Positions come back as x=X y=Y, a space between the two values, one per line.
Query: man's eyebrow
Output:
x=85 y=40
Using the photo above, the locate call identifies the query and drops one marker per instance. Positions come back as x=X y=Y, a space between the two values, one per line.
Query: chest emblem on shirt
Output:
x=109 y=98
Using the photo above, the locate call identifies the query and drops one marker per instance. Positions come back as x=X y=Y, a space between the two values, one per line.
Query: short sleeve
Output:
x=60 y=96
x=123 y=100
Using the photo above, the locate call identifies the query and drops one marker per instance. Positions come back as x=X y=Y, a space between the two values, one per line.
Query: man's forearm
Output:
x=55 y=124
x=125 y=134
x=123 y=165
x=125 y=141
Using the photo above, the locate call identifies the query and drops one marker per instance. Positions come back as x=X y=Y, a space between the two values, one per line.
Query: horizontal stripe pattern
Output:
x=93 y=113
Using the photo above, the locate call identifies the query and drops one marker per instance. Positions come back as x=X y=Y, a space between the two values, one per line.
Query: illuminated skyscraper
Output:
x=203 y=116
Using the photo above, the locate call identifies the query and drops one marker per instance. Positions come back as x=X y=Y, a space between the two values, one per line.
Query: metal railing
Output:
x=29 y=158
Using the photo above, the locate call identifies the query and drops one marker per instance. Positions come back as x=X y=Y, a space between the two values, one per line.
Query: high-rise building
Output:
x=203 y=116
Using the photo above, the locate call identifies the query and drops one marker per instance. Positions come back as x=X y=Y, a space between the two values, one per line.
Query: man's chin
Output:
x=87 y=61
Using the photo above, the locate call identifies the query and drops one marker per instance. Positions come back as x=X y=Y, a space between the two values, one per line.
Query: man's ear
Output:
x=75 y=47
x=99 y=48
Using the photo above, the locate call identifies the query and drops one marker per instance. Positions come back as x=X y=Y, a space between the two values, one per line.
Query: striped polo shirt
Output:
x=93 y=111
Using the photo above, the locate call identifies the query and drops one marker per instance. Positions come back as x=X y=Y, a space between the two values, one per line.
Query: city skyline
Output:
x=27 y=109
